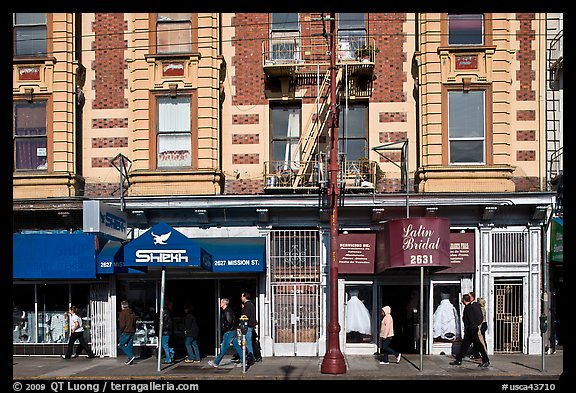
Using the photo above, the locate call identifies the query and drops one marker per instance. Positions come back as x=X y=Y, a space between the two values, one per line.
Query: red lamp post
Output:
x=333 y=362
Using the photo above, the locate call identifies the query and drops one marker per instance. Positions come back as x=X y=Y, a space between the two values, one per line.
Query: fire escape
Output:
x=294 y=64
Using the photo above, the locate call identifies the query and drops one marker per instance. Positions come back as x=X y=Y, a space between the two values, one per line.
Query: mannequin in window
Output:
x=357 y=318
x=446 y=323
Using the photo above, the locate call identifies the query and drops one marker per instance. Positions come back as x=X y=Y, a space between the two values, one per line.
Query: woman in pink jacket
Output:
x=386 y=335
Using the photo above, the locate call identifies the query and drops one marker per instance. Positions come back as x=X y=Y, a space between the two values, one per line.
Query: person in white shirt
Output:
x=76 y=333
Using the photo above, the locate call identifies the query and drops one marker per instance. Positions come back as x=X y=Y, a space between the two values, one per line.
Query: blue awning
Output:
x=162 y=245
x=238 y=255
x=110 y=258
x=54 y=255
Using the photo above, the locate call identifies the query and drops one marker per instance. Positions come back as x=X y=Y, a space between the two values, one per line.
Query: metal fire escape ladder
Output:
x=315 y=123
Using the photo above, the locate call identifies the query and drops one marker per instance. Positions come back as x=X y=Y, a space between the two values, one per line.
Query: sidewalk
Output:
x=358 y=367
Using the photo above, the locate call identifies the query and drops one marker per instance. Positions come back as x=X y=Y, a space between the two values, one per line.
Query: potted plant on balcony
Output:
x=365 y=52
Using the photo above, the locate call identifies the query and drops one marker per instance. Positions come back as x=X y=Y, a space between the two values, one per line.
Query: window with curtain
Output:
x=352 y=132
x=30 y=136
x=174 y=33
x=351 y=34
x=466 y=127
x=284 y=37
x=174 y=134
x=465 y=29
x=29 y=34
x=285 y=123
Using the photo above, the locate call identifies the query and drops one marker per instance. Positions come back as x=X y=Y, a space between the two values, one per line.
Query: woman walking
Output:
x=386 y=335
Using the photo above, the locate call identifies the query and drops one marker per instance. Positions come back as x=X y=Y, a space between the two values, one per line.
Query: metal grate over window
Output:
x=510 y=247
x=295 y=256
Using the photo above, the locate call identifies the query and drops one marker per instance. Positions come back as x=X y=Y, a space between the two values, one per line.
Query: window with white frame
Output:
x=174 y=33
x=29 y=34
x=174 y=134
x=284 y=37
x=358 y=313
x=285 y=131
x=466 y=127
x=465 y=29
x=30 y=136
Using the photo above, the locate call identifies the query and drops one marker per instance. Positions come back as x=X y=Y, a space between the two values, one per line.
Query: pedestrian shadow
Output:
x=287 y=370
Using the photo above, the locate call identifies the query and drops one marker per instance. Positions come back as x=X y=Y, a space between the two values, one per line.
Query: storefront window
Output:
x=358 y=313
x=446 y=317
x=23 y=316
x=40 y=312
x=141 y=295
x=53 y=302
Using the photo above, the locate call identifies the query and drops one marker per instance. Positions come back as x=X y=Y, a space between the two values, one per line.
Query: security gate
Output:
x=295 y=283
x=296 y=320
x=508 y=317
x=101 y=328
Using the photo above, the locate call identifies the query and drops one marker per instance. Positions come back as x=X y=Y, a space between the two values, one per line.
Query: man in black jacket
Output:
x=249 y=310
x=229 y=328
x=472 y=318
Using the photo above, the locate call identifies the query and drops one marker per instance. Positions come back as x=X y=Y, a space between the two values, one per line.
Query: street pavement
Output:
x=504 y=367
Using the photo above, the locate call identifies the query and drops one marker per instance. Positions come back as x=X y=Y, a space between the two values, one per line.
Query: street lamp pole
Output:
x=333 y=362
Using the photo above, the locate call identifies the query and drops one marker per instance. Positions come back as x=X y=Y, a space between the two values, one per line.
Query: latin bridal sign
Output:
x=415 y=242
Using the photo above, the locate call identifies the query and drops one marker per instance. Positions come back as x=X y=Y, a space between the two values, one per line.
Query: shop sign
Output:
x=415 y=242
x=101 y=218
x=557 y=240
x=356 y=253
x=162 y=245
x=461 y=253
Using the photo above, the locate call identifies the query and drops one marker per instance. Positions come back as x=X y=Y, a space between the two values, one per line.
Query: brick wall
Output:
x=388 y=31
x=526 y=56
x=250 y=29
x=109 y=63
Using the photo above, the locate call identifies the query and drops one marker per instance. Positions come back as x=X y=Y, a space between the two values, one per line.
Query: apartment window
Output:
x=285 y=123
x=30 y=136
x=174 y=132
x=465 y=29
x=351 y=34
x=29 y=34
x=466 y=127
x=174 y=33
x=352 y=131
x=284 y=37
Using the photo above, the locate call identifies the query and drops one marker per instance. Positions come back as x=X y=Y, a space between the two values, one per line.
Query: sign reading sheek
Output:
x=162 y=245
x=415 y=242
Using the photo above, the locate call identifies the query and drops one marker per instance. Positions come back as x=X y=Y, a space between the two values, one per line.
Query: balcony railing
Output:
x=296 y=49
x=353 y=176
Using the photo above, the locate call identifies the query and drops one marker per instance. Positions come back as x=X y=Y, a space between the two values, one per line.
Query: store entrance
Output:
x=404 y=303
x=202 y=295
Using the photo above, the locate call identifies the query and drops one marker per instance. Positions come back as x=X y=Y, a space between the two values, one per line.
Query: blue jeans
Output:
x=385 y=349
x=229 y=337
x=191 y=344
x=249 y=349
x=168 y=352
x=126 y=342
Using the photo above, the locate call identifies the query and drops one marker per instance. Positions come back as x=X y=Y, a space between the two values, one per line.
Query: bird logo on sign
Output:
x=161 y=239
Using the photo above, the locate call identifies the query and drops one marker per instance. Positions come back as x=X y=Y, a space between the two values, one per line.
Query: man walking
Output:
x=472 y=318
x=249 y=310
x=127 y=329
x=229 y=328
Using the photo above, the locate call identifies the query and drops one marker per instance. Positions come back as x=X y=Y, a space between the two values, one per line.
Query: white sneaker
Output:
x=129 y=361
x=384 y=363
x=210 y=362
x=398 y=358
